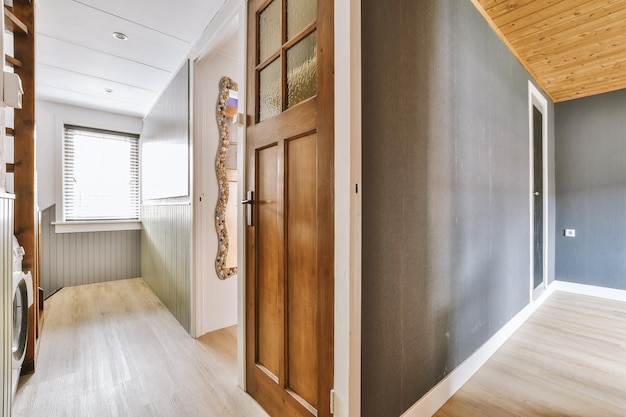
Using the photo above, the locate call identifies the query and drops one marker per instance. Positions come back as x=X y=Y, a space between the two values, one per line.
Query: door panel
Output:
x=290 y=244
x=268 y=296
x=301 y=275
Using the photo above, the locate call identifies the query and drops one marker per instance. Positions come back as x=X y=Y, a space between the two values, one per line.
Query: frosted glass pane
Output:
x=299 y=14
x=269 y=30
x=269 y=91
x=302 y=70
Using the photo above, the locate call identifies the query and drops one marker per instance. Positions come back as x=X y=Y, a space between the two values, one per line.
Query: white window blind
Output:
x=101 y=175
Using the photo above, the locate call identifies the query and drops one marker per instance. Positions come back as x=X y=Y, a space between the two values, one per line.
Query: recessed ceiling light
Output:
x=120 y=36
x=108 y=90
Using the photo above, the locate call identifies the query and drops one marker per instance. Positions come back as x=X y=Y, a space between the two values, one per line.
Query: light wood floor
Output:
x=113 y=349
x=568 y=359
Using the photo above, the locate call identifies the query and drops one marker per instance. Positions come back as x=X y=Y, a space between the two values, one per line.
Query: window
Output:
x=100 y=175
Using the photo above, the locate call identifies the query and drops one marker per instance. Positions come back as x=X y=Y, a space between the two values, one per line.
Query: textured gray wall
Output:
x=166 y=224
x=591 y=190
x=69 y=259
x=446 y=222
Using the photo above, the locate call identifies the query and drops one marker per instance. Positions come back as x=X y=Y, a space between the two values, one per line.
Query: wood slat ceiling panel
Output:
x=531 y=8
x=550 y=25
x=573 y=48
x=546 y=17
x=571 y=89
x=497 y=8
x=588 y=33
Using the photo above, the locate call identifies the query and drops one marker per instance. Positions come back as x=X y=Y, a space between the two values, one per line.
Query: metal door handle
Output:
x=249 y=201
x=536 y=193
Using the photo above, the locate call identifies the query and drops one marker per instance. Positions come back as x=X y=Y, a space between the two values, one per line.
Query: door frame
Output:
x=348 y=163
x=538 y=100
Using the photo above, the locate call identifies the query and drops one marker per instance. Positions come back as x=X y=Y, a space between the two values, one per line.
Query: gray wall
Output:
x=166 y=230
x=446 y=215
x=591 y=190
x=69 y=259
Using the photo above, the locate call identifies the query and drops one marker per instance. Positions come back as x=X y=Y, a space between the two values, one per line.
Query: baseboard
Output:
x=590 y=290
x=444 y=390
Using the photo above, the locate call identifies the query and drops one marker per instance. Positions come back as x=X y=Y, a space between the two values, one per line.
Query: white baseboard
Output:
x=444 y=390
x=590 y=290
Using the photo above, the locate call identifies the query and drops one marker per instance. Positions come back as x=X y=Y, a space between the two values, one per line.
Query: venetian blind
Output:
x=101 y=175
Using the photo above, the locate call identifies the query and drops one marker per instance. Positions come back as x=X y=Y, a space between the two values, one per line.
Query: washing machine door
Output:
x=20 y=319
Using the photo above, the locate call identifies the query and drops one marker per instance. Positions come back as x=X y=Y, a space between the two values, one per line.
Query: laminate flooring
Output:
x=568 y=359
x=113 y=349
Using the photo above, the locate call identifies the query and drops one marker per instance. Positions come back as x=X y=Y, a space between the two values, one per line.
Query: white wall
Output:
x=347 y=208
x=216 y=299
x=50 y=118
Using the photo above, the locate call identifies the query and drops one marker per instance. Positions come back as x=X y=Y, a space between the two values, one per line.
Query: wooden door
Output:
x=290 y=243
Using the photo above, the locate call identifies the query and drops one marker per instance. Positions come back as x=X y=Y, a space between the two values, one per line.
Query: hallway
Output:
x=113 y=349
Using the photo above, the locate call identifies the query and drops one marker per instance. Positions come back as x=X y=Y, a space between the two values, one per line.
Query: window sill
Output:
x=96 y=226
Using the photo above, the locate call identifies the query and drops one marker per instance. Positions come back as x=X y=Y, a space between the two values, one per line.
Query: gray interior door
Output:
x=537 y=237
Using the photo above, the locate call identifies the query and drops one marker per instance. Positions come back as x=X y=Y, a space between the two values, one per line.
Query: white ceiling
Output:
x=78 y=59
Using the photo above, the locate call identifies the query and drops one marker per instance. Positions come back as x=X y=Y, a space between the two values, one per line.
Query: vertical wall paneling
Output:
x=166 y=223
x=69 y=259
x=216 y=305
x=446 y=233
x=166 y=249
x=165 y=143
x=6 y=302
x=591 y=190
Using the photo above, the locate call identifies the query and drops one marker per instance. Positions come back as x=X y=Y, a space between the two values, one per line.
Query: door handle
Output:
x=248 y=202
x=536 y=193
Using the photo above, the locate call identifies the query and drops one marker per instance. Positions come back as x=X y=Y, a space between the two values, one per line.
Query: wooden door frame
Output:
x=538 y=100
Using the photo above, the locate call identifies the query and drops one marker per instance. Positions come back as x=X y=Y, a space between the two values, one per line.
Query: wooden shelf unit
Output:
x=15 y=63
x=20 y=19
x=13 y=24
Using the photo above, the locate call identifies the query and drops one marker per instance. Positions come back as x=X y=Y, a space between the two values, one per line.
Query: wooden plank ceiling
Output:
x=573 y=48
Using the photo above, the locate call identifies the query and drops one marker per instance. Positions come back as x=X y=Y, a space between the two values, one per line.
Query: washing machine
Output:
x=22 y=300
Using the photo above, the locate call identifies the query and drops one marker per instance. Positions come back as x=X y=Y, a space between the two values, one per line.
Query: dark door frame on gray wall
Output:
x=538 y=109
